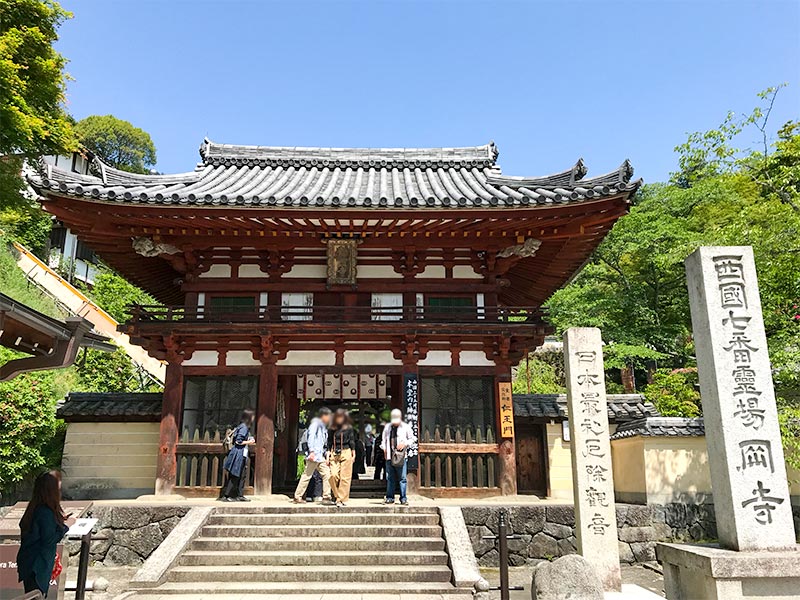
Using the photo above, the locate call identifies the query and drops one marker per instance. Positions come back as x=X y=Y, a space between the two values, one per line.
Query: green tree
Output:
x=113 y=294
x=536 y=376
x=674 y=393
x=33 y=121
x=117 y=142
x=634 y=286
x=106 y=372
x=28 y=425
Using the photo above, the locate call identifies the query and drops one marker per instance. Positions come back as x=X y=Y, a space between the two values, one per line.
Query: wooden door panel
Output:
x=531 y=469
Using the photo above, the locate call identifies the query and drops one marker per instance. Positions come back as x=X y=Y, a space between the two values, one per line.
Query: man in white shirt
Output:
x=397 y=438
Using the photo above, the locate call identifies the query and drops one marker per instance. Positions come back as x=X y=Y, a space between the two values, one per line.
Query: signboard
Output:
x=411 y=402
x=506 y=409
x=9 y=586
x=81 y=527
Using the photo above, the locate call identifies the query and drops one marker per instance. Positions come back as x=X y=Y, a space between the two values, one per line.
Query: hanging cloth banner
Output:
x=411 y=397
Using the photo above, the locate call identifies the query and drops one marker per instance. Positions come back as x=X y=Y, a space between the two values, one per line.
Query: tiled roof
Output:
x=109 y=407
x=661 y=426
x=621 y=407
x=339 y=177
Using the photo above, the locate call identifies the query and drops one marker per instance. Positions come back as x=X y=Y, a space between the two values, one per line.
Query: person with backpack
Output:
x=314 y=490
x=316 y=458
x=397 y=438
x=238 y=441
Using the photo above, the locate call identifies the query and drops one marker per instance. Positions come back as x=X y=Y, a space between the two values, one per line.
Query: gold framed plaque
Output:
x=342 y=261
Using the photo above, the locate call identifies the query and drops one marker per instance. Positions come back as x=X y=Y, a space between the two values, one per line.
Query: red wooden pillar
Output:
x=507 y=457
x=265 y=426
x=169 y=432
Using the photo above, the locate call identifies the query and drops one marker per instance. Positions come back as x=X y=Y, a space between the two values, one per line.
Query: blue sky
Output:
x=548 y=81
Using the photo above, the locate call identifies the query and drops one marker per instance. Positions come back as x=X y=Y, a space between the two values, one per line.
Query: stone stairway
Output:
x=362 y=553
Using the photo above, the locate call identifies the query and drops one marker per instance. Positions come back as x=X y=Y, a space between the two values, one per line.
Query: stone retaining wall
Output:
x=133 y=532
x=547 y=532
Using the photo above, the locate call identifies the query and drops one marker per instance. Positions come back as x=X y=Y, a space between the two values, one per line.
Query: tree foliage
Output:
x=674 y=392
x=28 y=424
x=32 y=117
x=722 y=194
x=117 y=143
x=113 y=294
x=32 y=79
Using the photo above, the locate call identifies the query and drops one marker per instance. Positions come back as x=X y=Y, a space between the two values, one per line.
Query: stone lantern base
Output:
x=708 y=572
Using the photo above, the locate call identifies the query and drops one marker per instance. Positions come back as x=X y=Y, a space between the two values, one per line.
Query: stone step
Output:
x=300 y=575
x=250 y=508
x=288 y=544
x=284 y=594
x=349 y=591
x=315 y=518
x=321 y=530
x=219 y=557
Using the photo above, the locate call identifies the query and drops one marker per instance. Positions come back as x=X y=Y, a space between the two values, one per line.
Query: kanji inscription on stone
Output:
x=745 y=456
x=593 y=483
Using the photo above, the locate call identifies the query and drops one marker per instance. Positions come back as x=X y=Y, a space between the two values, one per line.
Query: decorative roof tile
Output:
x=110 y=407
x=622 y=408
x=267 y=176
x=661 y=427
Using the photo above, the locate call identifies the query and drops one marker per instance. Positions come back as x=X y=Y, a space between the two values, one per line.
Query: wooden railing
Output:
x=336 y=314
x=458 y=461
x=199 y=465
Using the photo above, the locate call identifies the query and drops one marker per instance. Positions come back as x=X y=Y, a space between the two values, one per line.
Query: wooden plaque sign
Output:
x=342 y=261
x=506 y=409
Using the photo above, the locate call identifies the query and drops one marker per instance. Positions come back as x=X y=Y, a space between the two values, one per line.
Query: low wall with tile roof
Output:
x=109 y=460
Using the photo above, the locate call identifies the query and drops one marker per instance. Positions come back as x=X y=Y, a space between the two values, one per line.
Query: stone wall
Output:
x=133 y=532
x=548 y=531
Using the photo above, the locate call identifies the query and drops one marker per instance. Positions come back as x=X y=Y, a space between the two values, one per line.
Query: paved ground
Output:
x=118 y=578
x=521 y=576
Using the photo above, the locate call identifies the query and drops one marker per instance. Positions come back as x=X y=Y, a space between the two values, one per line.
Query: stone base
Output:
x=711 y=573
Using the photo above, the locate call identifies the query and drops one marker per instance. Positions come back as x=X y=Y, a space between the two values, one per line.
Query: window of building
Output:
x=231 y=304
x=457 y=402
x=450 y=307
x=387 y=307
x=213 y=404
x=297 y=306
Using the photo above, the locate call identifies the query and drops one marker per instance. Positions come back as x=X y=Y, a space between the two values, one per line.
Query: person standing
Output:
x=316 y=459
x=397 y=438
x=378 y=458
x=42 y=527
x=236 y=461
x=342 y=445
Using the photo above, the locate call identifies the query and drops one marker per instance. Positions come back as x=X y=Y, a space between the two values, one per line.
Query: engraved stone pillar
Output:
x=748 y=474
x=592 y=480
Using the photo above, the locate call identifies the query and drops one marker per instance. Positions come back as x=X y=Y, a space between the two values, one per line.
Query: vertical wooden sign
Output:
x=411 y=402
x=506 y=409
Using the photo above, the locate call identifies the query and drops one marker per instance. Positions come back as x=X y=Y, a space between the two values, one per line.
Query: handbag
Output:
x=57 y=568
x=398 y=457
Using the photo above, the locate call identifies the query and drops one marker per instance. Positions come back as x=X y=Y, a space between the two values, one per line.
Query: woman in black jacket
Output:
x=341 y=452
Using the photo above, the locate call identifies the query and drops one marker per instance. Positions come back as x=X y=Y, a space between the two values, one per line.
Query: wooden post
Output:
x=265 y=427
x=507 y=456
x=169 y=433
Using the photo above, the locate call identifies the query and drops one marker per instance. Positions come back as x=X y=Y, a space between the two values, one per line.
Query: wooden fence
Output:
x=199 y=469
x=456 y=461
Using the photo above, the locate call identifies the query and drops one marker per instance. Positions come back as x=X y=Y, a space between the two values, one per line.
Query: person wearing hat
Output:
x=397 y=438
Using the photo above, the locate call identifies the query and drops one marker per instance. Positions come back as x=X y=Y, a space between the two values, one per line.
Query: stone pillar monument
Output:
x=756 y=556
x=592 y=480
